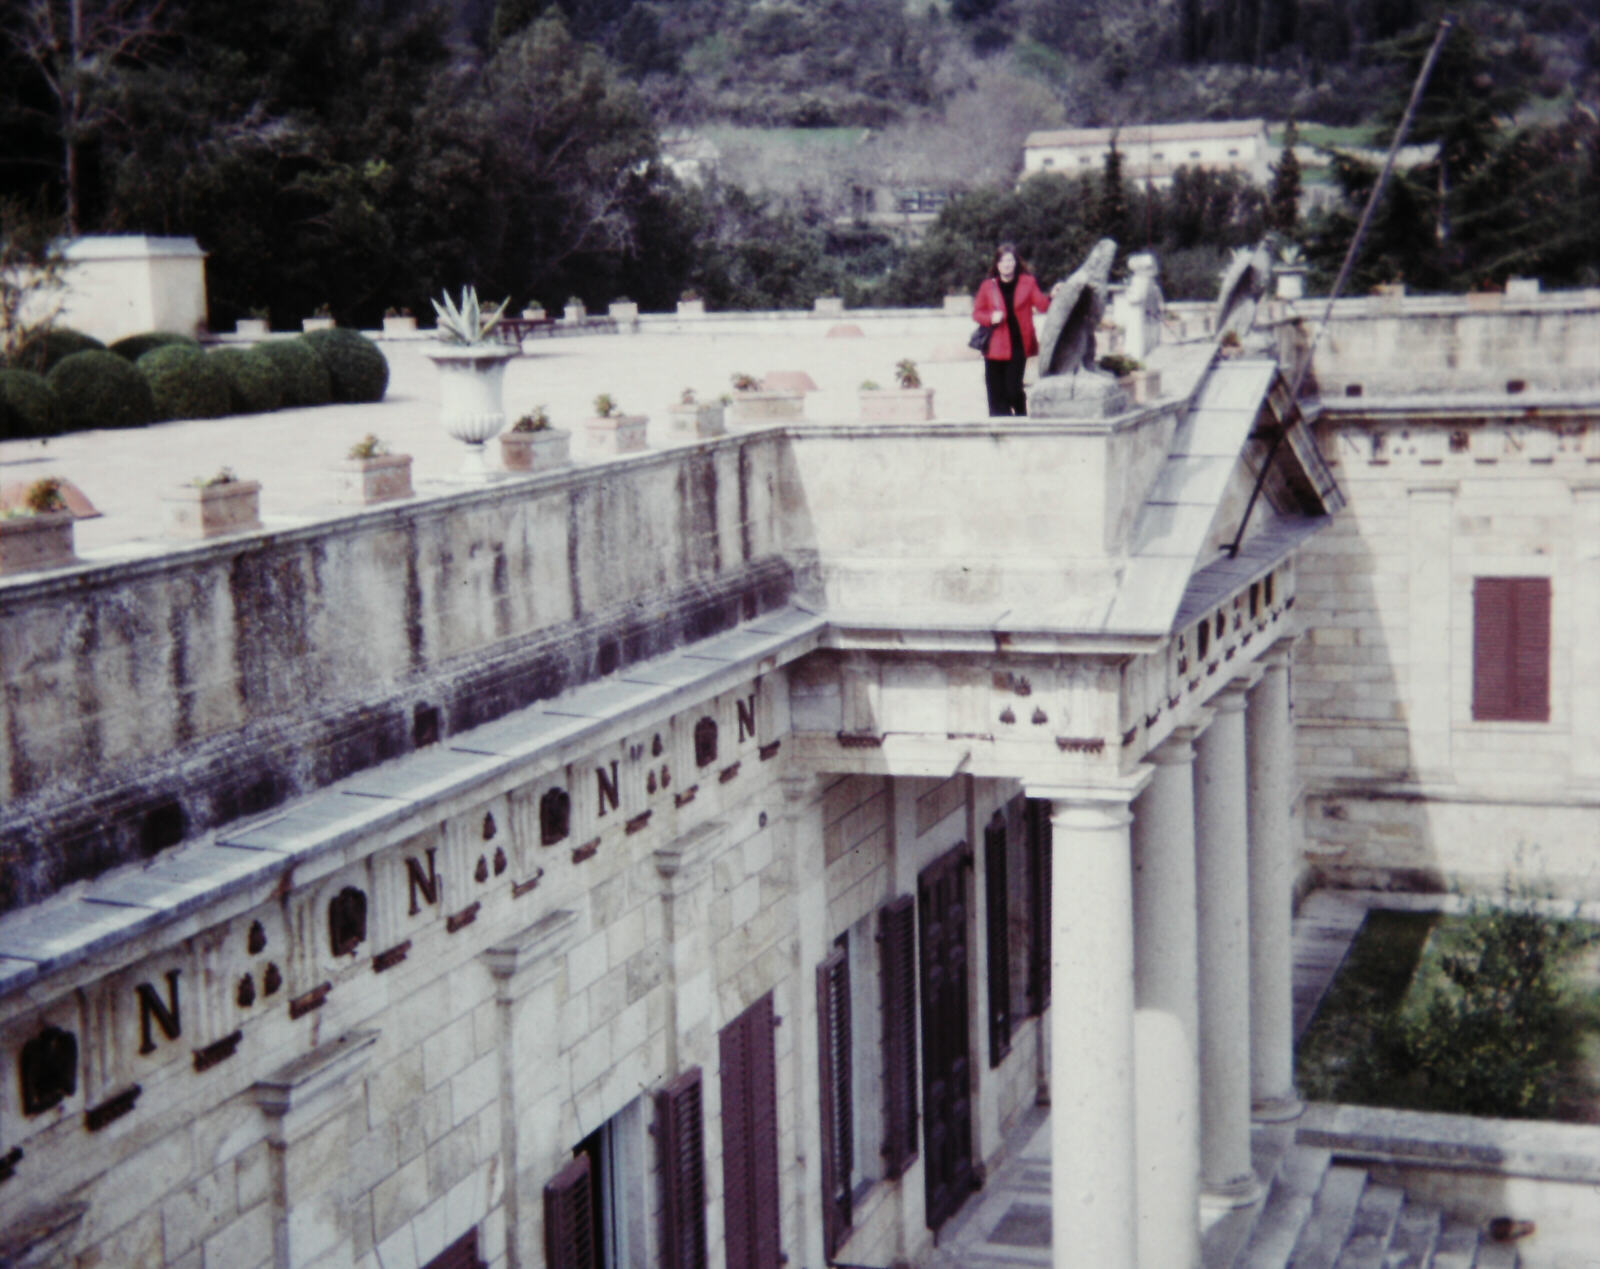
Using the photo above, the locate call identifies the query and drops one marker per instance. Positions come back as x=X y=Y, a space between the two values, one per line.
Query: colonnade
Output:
x=1172 y=1012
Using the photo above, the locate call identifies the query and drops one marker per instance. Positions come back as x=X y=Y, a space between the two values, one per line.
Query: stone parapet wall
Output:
x=147 y=701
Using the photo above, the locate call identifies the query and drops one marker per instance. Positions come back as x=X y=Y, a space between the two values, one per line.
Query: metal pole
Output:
x=1445 y=25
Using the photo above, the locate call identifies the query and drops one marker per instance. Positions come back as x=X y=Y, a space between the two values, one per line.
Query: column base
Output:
x=1277 y=1110
x=1237 y=1192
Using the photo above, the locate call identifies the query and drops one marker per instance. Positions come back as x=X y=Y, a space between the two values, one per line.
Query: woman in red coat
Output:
x=1006 y=302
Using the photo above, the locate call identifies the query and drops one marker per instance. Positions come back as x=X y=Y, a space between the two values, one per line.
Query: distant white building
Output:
x=1154 y=151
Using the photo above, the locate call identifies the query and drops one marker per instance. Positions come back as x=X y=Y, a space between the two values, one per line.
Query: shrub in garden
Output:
x=135 y=346
x=252 y=379
x=27 y=406
x=357 y=370
x=184 y=383
x=302 y=377
x=43 y=349
x=99 y=389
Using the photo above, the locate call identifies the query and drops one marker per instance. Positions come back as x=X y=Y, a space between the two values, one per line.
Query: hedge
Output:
x=253 y=382
x=27 y=405
x=301 y=375
x=135 y=346
x=357 y=369
x=184 y=382
x=99 y=389
x=43 y=349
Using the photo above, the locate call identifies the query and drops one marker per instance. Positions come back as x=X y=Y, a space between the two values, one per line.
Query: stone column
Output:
x=1585 y=679
x=811 y=949
x=1094 y=1183
x=311 y=1104
x=1222 y=880
x=1429 y=507
x=1166 y=991
x=685 y=869
x=526 y=972
x=1273 y=852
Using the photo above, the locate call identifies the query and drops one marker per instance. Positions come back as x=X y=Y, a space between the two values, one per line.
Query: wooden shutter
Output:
x=1039 y=880
x=461 y=1254
x=838 y=1146
x=994 y=870
x=897 y=945
x=748 y=1081
x=1511 y=649
x=569 y=1218
x=680 y=1134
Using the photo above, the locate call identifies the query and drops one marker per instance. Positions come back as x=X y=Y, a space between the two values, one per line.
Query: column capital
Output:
x=1177 y=748
x=679 y=860
x=530 y=957
x=1232 y=697
x=1090 y=806
x=1278 y=655
x=302 y=1094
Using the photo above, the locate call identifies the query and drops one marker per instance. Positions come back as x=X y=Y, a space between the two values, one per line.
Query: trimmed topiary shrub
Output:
x=135 y=346
x=253 y=381
x=42 y=349
x=99 y=389
x=184 y=383
x=27 y=406
x=301 y=375
x=357 y=369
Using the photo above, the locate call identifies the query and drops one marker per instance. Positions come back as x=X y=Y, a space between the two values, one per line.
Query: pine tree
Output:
x=1284 y=212
x=1111 y=216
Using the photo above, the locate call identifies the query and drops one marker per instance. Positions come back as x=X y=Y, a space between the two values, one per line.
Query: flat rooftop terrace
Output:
x=294 y=453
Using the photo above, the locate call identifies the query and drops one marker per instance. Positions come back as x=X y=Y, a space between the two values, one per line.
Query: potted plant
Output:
x=690 y=304
x=210 y=506
x=534 y=312
x=624 y=312
x=399 y=321
x=370 y=473
x=254 y=326
x=611 y=431
x=575 y=310
x=1143 y=385
x=1290 y=272
x=755 y=405
x=692 y=417
x=907 y=402
x=472 y=367
x=532 y=444
x=37 y=535
x=321 y=319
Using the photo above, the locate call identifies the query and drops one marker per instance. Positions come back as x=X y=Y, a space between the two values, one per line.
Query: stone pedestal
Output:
x=1273 y=850
x=312 y=1106
x=1222 y=877
x=526 y=972
x=1092 y=1131
x=1088 y=394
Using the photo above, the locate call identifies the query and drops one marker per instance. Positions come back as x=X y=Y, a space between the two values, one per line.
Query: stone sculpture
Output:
x=1247 y=278
x=1070 y=386
x=1138 y=309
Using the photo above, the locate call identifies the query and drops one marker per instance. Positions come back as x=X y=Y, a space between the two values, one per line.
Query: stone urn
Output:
x=471 y=397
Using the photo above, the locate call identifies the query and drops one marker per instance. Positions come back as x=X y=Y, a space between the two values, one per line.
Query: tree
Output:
x=1111 y=214
x=30 y=273
x=1284 y=200
x=79 y=48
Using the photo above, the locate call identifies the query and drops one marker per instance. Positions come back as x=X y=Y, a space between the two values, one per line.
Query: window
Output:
x=897 y=943
x=461 y=1254
x=594 y=1207
x=749 y=1079
x=1511 y=649
x=1049 y=163
x=1016 y=861
x=994 y=872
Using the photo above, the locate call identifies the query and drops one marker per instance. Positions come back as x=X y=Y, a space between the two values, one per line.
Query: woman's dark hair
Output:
x=1008 y=248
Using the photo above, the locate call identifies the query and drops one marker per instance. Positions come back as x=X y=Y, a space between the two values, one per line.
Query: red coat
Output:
x=1026 y=299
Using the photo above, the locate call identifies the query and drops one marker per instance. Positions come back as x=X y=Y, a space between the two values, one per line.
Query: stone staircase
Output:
x=1321 y=1215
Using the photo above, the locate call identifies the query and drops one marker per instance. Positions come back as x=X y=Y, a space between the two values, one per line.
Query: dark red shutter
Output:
x=461 y=1254
x=749 y=1081
x=680 y=1134
x=569 y=1218
x=838 y=1146
x=1511 y=649
x=994 y=871
x=1039 y=881
x=897 y=946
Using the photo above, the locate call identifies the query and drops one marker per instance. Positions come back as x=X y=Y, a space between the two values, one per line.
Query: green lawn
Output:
x=1482 y=1013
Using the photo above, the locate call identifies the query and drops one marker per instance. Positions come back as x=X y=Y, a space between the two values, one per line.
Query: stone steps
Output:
x=1323 y=1215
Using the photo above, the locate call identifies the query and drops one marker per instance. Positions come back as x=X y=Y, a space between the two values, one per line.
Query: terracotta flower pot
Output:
x=543 y=450
x=399 y=326
x=896 y=405
x=698 y=418
x=381 y=478
x=210 y=511
x=617 y=434
x=758 y=408
x=34 y=543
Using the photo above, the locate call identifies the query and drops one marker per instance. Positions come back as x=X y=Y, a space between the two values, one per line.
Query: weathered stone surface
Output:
x=1066 y=339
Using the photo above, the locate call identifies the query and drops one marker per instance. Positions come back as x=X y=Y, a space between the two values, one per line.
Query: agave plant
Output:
x=469 y=323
